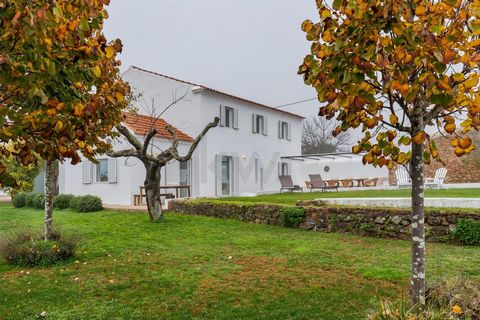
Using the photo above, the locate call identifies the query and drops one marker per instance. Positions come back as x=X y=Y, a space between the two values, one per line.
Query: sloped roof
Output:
x=220 y=92
x=141 y=125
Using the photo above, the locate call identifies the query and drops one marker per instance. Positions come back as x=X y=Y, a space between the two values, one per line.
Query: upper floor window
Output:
x=259 y=124
x=228 y=117
x=284 y=130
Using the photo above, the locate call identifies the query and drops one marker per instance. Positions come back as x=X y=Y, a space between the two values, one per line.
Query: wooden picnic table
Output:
x=165 y=194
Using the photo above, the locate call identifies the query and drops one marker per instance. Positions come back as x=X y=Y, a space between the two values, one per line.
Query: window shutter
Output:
x=218 y=174
x=289 y=132
x=222 y=116
x=289 y=169
x=235 y=119
x=279 y=129
x=280 y=169
x=112 y=170
x=265 y=126
x=254 y=127
x=236 y=175
x=86 y=172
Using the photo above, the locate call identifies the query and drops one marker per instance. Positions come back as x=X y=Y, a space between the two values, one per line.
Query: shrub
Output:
x=19 y=200
x=39 y=201
x=30 y=199
x=467 y=232
x=29 y=249
x=87 y=203
x=452 y=299
x=292 y=216
x=63 y=201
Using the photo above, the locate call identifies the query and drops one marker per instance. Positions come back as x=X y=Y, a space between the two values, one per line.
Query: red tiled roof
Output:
x=220 y=92
x=141 y=125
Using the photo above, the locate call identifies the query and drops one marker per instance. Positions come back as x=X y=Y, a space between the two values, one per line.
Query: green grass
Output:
x=291 y=198
x=129 y=268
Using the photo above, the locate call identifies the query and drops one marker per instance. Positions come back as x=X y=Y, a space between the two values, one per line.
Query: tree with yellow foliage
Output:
x=394 y=68
x=60 y=87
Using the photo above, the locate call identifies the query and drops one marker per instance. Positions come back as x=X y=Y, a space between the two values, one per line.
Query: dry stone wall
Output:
x=376 y=222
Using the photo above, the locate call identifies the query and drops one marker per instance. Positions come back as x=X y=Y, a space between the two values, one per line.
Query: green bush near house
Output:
x=292 y=216
x=467 y=232
x=86 y=203
x=39 y=201
x=63 y=201
x=30 y=200
x=19 y=200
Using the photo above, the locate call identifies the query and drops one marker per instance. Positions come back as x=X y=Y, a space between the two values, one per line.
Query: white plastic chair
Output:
x=438 y=180
x=403 y=178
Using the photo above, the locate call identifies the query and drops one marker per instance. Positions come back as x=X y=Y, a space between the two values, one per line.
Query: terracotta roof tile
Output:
x=141 y=124
x=220 y=92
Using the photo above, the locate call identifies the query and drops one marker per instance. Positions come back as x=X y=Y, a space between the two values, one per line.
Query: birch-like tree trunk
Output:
x=418 y=216
x=49 y=190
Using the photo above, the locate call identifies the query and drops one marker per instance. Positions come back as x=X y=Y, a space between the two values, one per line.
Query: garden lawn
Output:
x=194 y=267
x=291 y=198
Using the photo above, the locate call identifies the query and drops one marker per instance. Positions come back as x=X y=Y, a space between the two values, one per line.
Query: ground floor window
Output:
x=102 y=170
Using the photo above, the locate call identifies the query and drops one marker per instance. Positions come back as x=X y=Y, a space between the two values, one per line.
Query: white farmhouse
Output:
x=242 y=156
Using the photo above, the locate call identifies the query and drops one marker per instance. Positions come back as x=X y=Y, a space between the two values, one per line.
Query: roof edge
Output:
x=217 y=91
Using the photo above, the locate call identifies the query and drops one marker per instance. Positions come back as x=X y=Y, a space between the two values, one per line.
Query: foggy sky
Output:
x=250 y=48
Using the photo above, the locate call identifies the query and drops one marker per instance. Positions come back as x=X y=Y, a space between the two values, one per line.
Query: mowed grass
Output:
x=291 y=198
x=194 y=267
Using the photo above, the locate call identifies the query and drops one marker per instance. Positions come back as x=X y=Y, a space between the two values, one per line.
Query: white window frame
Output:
x=284 y=169
x=230 y=113
x=284 y=130
x=259 y=124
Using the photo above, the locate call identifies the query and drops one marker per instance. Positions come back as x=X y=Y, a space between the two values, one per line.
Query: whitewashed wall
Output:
x=130 y=176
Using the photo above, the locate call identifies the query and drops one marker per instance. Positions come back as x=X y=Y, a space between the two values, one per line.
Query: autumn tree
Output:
x=317 y=137
x=60 y=89
x=394 y=68
x=152 y=157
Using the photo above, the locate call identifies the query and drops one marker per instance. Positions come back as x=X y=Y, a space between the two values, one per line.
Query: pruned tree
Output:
x=317 y=137
x=154 y=159
x=395 y=68
x=60 y=88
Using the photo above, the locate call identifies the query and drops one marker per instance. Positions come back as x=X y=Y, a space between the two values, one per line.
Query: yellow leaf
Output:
x=97 y=71
x=120 y=97
x=470 y=83
x=419 y=138
x=420 y=10
x=110 y=52
x=393 y=119
x=78 y=109
x=58 y=125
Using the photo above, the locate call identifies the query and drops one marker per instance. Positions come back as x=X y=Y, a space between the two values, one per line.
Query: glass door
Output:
x=226 y=176
x=184 y=178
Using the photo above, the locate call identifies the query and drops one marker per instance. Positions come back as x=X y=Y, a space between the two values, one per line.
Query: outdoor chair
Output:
x=370 y=182
x=438 y=180
x=316 y=182
x=403 y=178
x=287 y=184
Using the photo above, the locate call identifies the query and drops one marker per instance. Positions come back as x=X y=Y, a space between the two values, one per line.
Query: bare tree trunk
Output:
x=417 y=225
x=152 y=189
x=49 y=190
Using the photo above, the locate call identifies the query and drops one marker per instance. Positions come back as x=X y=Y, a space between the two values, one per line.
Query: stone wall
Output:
x=376 y=222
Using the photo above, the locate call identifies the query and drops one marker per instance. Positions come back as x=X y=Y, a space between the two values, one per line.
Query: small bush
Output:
x=292 y=216
x=39 y=201
x=87 y=203
x=30 y=199
x=63 y=201
x=29 y=249
x=467 y=232
x=19 y=200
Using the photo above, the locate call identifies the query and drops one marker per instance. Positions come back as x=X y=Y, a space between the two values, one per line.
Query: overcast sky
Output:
x=250 y=48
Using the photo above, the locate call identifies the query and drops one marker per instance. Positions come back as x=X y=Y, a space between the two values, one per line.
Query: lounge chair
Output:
x=403 y=178
x=316 y=182
x=287 y=184
x=438 y=180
